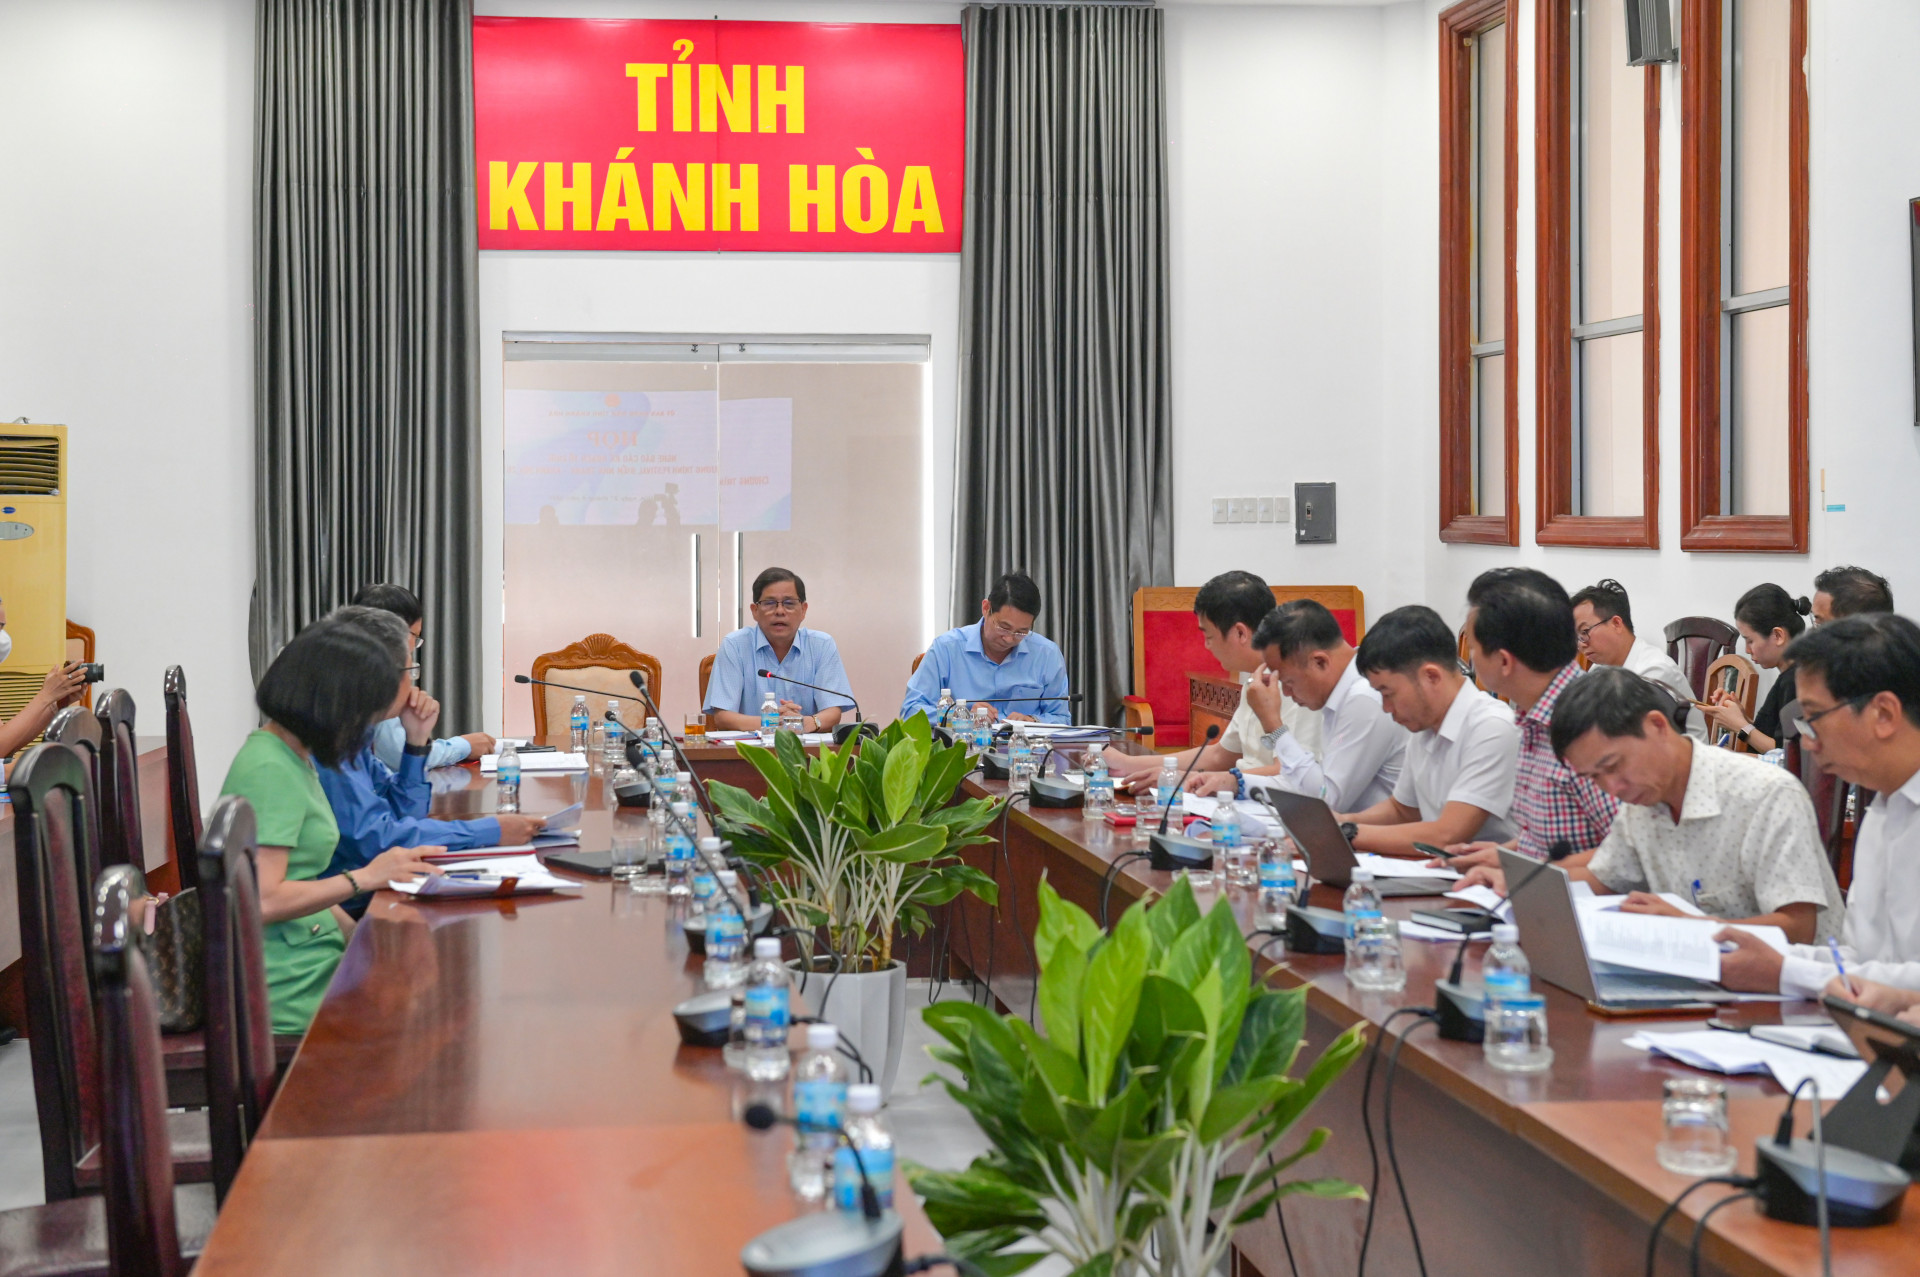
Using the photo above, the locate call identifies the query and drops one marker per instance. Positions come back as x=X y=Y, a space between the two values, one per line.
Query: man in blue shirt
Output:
x=778 y=642
x=389 y=737
x=997 y=661
x=378 y=807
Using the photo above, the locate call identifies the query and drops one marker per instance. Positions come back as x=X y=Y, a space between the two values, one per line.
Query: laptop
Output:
x=1330 y=857
x=1550 y=932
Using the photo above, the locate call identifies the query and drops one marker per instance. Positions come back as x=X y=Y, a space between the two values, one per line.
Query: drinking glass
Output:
x=1200 y=879
x=628 y=851
x=1243 y=863
x=1694 y=1139
x=1374 y=960
x=696 y=728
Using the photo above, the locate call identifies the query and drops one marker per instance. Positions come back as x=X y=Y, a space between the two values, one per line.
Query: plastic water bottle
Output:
x=943 y=708
x=1277 y=885
x=726 y=932
x=679 y=852
x=819 y=1104
x=1019 y=762
x=1226 y=827
x=769 y=719
x=1516 y=1037
x=683 y=792
x=867 y=1131
x=1166 y=791
x=768 y=990
x=577 y=724
x=614 y=745
x=1374 y=960
x=1099 y=800
x=705 y=888
x=982 y=728
x=507 y=776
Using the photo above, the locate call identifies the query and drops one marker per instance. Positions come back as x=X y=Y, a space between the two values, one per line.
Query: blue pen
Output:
x=1833 y=947
x=1695 y=892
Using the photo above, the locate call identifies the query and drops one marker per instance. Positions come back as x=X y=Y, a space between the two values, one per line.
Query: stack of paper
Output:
x=1256 y=819
x=488 y=877
x=562 y=829
x=1401 y=867
x=530 y=763
x=1656 y=942
x=1720 y=1052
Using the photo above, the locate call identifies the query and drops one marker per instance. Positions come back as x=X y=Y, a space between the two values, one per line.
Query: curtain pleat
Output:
x=366 y=329
x=1063 y=461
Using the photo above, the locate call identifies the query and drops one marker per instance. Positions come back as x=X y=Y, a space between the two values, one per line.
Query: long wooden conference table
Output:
x=499 y=1087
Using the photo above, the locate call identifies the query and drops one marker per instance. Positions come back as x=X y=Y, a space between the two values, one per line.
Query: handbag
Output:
x=178 y=951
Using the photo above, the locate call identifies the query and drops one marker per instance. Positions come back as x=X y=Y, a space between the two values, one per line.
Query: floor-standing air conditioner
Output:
x=33 y=557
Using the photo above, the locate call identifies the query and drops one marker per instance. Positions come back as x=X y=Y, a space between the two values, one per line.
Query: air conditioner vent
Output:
x=29 y=466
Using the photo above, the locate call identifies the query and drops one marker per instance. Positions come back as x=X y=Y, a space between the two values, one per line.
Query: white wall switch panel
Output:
x=1283 y=509
x=1249 y=509
x=1219 y=509
x=1266 y=509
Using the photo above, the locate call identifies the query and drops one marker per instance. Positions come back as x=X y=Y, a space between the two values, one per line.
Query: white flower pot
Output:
x=869 y=1008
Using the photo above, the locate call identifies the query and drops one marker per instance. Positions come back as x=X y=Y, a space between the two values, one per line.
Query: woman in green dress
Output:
x=320 y=698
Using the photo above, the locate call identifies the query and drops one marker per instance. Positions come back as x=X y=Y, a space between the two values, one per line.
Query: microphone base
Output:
x=1314 y=930
x=1055 y=793
x=695 y=929
x=1171 y=852
x=1460 y=1011
x=636 y=795
x=1862 y=1191
x=830 y=1243
x=705 y=1019
x=995 y=766
x=844 y=732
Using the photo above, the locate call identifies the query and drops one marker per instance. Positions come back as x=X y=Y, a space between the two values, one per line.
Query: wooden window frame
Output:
x=1555 y=349
x=1700 y=300
x=1458 y=25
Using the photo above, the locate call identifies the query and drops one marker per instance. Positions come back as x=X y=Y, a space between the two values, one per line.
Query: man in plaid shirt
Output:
x=1520 y=635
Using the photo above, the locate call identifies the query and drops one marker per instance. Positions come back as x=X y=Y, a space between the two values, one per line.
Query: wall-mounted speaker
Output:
x=1650 y=33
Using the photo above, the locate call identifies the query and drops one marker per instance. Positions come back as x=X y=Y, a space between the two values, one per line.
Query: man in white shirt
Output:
x=1603 y=622
x=1859 y=691
x=1229 y=608
x=1457 y=771
x=1309 y=661
x=1728 y=832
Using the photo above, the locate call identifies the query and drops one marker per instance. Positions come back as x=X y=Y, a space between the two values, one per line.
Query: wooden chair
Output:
x=915 y=667
x=80 y=648
x=599 y=661
x=706 y=675
x=142 y=1224
x=50 y=796
x=183 y=778
x=122 y=839
x=1167 y=646
x=1694 y=643
x=1829 y=793
x=76 y=726
x=242 y=1065
x=1735 y=674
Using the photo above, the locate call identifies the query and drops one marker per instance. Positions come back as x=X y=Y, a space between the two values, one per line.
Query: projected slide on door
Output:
x=618 y=457
x=756 y=465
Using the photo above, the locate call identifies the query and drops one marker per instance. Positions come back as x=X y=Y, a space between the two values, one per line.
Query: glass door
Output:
x=648 y=481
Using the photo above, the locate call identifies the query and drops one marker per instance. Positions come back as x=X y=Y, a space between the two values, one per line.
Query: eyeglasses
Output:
x=1802 y=723
x=1007 y=631
x=779 y=605
x=1580 y=634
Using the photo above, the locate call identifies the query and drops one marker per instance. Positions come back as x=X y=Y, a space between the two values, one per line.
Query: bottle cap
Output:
x=612 y=705
x=946 y=691
x=822 y=1037
x=863 y=1097
x=651 y=720
x=1359 y=875
x=679 y=809
x=1506 y=933
x=683 y=777
x=709 y=844
x=729 y=877
x=767 y=947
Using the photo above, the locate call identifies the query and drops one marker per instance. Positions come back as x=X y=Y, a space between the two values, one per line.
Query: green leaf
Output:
x=1232 y=1105
x=1098 y=1266
x=915 y=728
x=1270 y=1034
x=1111 y=998
x=1061 y=920
x=1062 y=984
x=899 y=780
x=791 y=750
x=904 y=844
x=771 y=769
x=1053 y=1060
x=1340 y=1053
x=1173 y=914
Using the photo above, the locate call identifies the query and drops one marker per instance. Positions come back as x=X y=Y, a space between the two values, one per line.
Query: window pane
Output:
x=1759 y=44
x=1490 y=183
x=1490 y=435
x=1613 y=172
x=1611 y=423
x=1759 y=436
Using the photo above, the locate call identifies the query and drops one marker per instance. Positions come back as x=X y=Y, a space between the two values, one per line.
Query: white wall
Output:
x=1285 y=157
x=125 y=313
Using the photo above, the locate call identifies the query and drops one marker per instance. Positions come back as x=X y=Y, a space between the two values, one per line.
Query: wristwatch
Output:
x=1744 y=732
x=418 y=751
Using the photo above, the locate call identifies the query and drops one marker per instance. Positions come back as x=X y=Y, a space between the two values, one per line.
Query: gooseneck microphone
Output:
x=762 y=1117
x=829 y=1243
x=841 y=731
x=1460 y=1010
x=673 y=742
x=1177 y=851
x=1213 y=734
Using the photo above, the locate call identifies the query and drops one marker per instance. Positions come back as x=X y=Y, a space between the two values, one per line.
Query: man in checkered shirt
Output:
x=1520 y=636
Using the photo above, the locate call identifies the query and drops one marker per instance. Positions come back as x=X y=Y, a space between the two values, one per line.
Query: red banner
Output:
x=774 y=136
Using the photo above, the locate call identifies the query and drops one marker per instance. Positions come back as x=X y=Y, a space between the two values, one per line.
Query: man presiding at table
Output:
x=998 y=661
x=779 y=642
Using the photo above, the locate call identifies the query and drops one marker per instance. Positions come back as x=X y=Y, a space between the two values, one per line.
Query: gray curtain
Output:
x=1064 y=456
x=366 y=391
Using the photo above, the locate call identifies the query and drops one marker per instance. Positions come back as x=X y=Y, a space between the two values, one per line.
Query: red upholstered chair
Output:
x=1167 y=646
x=51 y=828
x=1694 y=643
x=142 y=1224
x=242 y=1068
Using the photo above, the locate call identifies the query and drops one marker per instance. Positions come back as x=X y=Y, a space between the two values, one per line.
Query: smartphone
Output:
x=539 y=749
x=1427 y=848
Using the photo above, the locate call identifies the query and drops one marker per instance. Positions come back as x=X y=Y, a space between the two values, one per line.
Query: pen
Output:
x=1833 y=947
x=1695 y=892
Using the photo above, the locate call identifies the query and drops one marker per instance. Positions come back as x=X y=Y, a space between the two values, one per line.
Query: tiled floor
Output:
x=20 y=1183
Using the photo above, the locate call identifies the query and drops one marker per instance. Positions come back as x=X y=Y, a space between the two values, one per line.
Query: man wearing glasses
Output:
x=1603 y=622
x=781 y=643
x=1859 y=697
x=998 y=661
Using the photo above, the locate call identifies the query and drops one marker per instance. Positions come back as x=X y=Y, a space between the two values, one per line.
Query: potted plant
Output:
x=858 y=845
x=1162 y=1066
